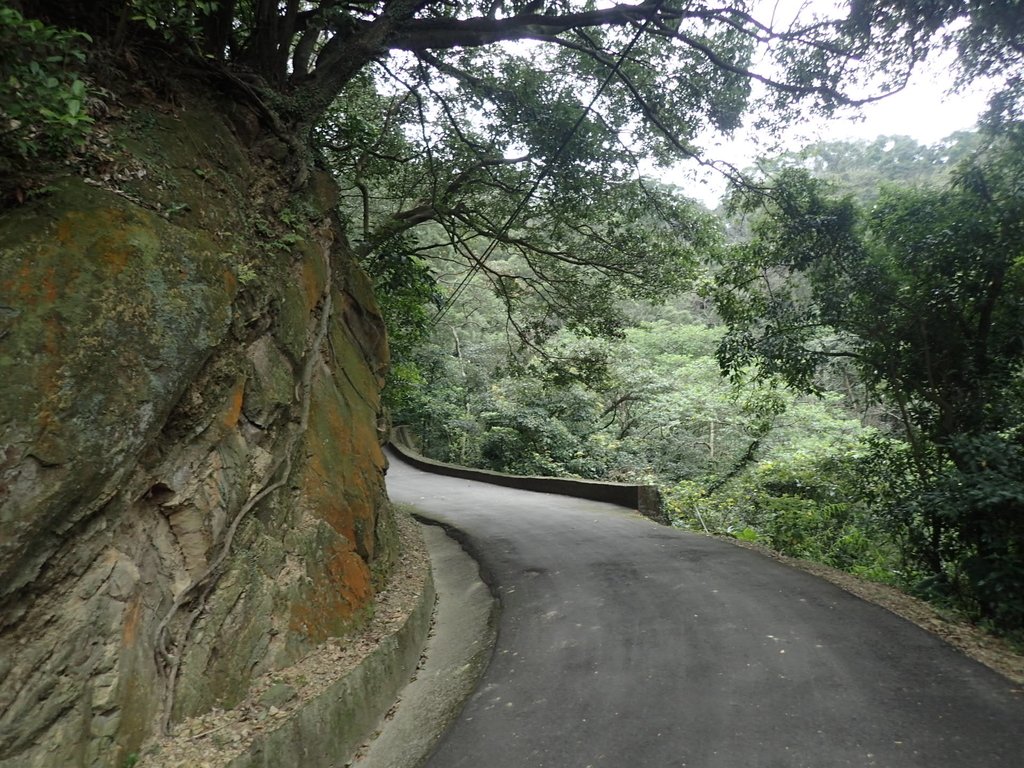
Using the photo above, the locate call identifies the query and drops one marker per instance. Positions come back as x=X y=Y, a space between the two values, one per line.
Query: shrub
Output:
x=805 y=507
x=42 y=92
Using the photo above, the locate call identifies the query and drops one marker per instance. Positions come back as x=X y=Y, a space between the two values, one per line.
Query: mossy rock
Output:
x=111 y=311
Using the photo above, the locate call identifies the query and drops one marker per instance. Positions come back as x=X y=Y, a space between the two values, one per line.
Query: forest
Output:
x=831 y=363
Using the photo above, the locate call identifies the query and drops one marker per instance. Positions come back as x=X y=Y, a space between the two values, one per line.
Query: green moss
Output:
x=116 y=310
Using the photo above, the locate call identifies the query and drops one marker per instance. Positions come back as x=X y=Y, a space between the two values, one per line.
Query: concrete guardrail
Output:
x=646 y=499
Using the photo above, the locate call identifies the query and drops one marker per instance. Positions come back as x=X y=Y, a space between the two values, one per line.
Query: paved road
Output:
x=626 y=644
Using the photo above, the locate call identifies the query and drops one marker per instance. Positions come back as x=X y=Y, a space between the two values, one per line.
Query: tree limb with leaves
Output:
x=523 y=125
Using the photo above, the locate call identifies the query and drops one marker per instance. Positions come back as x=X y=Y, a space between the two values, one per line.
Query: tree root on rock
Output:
x=198 y=591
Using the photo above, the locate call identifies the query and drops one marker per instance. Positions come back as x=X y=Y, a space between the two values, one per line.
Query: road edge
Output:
x=972 y=641
x=644 y=499
x=459 y=648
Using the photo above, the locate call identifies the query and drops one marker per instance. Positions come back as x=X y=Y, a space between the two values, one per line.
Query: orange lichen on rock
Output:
x=334 y=482
x=132 y=618
x=33 y=285
x=111 y=238
x=230 y=282
x=229 y=418
x=312 y=283
x=341 y=586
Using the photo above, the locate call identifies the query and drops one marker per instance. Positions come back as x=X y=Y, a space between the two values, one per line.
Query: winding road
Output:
x=627 y=644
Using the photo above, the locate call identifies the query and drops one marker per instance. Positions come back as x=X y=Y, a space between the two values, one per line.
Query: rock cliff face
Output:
x=191 y=484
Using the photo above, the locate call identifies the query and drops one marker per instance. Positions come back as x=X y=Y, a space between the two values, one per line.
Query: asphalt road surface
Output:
x=627 y=644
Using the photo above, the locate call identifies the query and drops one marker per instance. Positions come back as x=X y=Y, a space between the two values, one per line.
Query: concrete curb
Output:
x=458 y=650
x=328 y=729
x=646 y=499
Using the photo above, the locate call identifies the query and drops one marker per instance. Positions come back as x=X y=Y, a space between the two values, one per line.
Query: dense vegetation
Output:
x=490 y=157
x=922 y=297
x=871 y=414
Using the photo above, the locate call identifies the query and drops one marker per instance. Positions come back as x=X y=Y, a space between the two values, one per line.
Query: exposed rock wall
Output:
x=191 y=484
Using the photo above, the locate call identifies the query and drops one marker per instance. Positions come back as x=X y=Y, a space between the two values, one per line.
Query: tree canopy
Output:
x=522 y=125
x=311 y=50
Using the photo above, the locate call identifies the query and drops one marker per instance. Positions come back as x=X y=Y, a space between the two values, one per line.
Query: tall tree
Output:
x=923 y=295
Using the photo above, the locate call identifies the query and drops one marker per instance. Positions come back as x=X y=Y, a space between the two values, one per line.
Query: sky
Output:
x=924 y=110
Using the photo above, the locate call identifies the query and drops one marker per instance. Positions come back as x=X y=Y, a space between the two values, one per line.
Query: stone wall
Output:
x=191 y=482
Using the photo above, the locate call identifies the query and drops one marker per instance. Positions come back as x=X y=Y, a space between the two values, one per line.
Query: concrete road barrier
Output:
x=646 y=499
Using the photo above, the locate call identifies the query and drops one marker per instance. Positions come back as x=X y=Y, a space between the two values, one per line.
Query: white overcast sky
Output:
x=925 y=110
